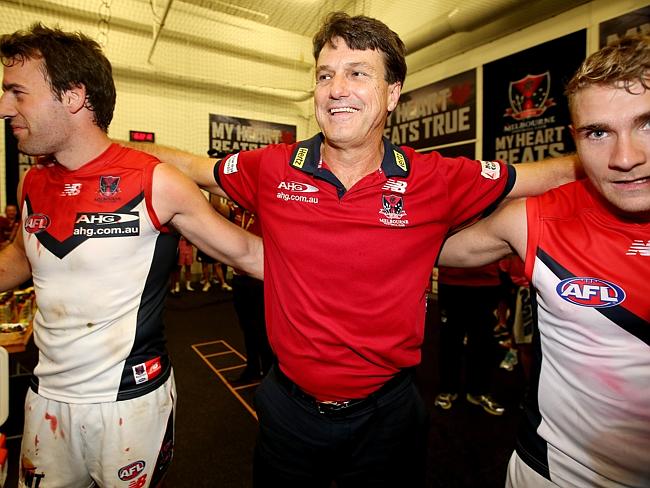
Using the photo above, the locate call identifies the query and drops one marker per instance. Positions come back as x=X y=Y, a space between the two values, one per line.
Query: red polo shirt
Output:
x=346 y=272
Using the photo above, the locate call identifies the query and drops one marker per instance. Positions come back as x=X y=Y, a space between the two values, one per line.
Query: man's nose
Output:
x=7 y=110
x=340 y=86
x=631 y=150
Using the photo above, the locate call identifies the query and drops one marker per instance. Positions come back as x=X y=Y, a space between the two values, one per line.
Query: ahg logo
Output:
x=102 y=218
x=296 y=186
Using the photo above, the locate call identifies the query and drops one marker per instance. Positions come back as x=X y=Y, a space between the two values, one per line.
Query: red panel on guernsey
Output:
x=564 y=220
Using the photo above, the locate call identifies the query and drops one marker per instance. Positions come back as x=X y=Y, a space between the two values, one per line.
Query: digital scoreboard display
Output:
x=141 y=136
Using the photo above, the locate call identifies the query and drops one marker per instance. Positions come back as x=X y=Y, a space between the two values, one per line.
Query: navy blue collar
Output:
x=306 y=157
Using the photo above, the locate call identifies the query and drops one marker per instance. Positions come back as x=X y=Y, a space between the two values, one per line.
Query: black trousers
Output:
x=248 y=299
x=383 y=444
x=467 y=311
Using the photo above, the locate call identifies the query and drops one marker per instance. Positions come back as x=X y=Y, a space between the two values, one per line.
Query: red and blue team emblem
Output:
x=590 y=292
x=529 y=96
x=36 y=223
x=109 y=185
x=392 y=206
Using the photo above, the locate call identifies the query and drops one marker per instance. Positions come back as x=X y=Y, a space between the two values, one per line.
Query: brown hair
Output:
x=620 y=64
x=69 y=60
x=363 y=33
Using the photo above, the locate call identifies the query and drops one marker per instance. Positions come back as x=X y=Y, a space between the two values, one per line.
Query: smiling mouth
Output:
x=338 y=110
x=636 y=181
x=643 y=179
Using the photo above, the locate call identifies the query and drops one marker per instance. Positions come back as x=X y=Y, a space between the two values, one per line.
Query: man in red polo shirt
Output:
x=352 y=226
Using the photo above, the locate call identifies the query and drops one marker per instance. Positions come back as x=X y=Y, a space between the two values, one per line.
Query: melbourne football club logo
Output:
x=109 y=185
x=590 y=292
x=529 y=96
x=392 y=207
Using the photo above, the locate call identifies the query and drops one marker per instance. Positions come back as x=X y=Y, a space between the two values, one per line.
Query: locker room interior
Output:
x=176 y=63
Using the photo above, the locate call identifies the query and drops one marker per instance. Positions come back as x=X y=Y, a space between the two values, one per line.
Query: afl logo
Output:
x=37 y=223
x=130 y=471
x=590 y=292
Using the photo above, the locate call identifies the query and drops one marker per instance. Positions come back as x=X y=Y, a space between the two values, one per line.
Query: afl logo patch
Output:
x=132 y=470
x=590 y=292
x=37 y=223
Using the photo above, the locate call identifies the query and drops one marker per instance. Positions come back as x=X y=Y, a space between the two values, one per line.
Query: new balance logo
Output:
x=395 y=185
x=639 y=248
x=71 y=189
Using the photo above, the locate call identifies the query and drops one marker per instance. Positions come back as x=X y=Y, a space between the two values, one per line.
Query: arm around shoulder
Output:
x=179 y=202
x=538 y=177
x=200 y=169
x=488 y=240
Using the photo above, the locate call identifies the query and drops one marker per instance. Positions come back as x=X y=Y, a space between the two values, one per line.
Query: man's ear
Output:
x=394 y=92
x=75 y=98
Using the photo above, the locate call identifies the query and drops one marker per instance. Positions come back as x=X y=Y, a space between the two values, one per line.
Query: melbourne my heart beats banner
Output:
x=231 y=134
x=525 y=113
x=438 y=114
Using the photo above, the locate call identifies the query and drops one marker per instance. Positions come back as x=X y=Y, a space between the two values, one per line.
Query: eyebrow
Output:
x=644 y=117
x=592 y=127
x=604 y=126
x=11 y=86
x=353 y=65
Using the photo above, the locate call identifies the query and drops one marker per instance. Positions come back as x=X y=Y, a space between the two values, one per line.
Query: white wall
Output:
x=178 y=111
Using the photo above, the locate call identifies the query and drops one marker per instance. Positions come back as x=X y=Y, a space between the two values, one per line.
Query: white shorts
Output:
x=520 y=475
x=127 y=444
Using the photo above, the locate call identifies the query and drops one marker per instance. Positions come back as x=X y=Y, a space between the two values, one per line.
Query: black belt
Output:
x=343 y=407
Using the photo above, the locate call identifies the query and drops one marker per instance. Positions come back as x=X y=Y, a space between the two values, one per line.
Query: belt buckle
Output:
x=332 y=406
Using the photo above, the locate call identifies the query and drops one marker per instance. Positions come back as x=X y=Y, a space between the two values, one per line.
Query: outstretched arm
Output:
x=178 y=201
x=14 y=266
x=488 y=240
x=197 y=168
x=538 y=177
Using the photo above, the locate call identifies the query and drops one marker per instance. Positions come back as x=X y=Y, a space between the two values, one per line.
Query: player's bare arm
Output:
x=538 y=177
x=14 y=266
x=197 y=168
x=489 y=239
x=178 y=201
